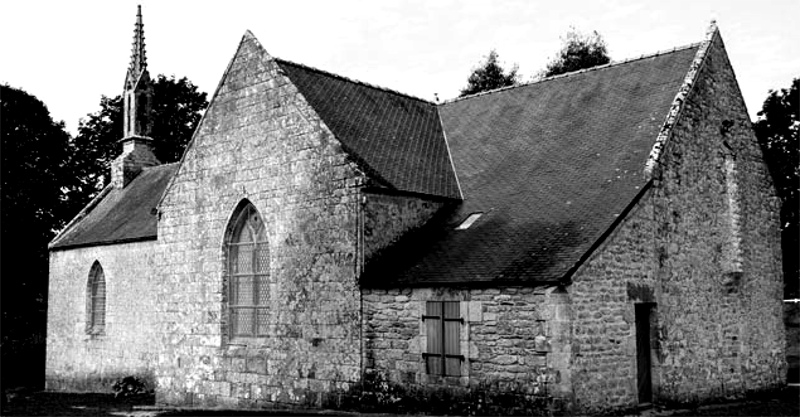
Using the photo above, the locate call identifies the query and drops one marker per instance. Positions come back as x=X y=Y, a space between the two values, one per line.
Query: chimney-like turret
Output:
x=137 y=151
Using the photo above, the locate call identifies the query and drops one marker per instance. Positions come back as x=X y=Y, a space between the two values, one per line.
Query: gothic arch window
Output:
x=96 y=300
x=247 y=273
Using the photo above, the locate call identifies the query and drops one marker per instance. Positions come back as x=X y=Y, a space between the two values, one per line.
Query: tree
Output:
x=579 y=51
x=489 y=75
x=777 y=130
x=177 y=109
x=35 y=153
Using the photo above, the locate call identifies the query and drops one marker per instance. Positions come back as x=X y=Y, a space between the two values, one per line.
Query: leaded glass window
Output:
x=247 y=275
x=96 y=300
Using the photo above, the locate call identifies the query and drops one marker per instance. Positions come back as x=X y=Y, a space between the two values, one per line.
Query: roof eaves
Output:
x=489 y=283
x=574 y=73
x=676 y=108
x=105 y=243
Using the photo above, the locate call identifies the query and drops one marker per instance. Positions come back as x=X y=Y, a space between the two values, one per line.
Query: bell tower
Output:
x=138 y=91
x=137 y=151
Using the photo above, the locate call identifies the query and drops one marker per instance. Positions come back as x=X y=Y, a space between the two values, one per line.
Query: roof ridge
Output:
x=354 y=81
x=578 y=72
x=162 y=165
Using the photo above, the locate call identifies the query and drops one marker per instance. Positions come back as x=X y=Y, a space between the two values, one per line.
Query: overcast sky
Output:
x=69 y=53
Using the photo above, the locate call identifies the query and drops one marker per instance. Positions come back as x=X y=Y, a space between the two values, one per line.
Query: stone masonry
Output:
x=508 y=335
x=260 y=141
x=719 y=306
x=703 y=253
x=77 y=361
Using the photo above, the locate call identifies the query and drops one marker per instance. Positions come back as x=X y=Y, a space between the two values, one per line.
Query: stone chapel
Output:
x=599 y=240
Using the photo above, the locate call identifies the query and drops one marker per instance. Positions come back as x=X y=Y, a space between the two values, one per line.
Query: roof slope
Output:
x=122 y=214
x=399 y=138
x=551 y=165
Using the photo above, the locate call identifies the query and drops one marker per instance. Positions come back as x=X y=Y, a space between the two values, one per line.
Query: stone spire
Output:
x=138 y=91
x=137 y=151
x=138 y=57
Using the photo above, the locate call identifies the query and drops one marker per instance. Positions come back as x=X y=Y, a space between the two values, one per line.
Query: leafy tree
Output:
x=35 y=153
x=489 y=75
x=777 y=129
x=177 y=109
x=579 y=51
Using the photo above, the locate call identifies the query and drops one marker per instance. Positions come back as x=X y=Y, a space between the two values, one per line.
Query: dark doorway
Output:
x=643 y=365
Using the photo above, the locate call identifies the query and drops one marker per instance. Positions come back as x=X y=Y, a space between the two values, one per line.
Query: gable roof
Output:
x=397 y=137
x=119 y=214
x=551 y=165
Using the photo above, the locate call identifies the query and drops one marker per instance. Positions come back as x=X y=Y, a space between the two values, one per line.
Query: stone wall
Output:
x=512 y=338
x=621 y=273
x=260 y=141
x=387 y=217
x=77 y=361
x=702 y=249
x=718 y=247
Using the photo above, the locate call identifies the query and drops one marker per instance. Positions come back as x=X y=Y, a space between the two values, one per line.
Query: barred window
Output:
x=443 y=327
x=247 y=274
x=96 y=300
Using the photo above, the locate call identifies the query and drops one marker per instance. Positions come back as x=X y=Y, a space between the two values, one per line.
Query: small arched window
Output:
x=247 y=273
x=96 y=300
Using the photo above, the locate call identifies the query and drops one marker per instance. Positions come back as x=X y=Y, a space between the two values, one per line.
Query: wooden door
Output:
x=643 y=365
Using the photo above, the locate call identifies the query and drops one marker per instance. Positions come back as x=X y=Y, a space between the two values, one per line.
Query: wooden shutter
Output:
x=452 y=337
x=443 y=328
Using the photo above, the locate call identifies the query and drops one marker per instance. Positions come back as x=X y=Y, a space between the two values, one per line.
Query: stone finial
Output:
x=712 y=29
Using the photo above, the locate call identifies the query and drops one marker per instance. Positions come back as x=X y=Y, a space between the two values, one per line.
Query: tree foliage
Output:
x=579 y=51
x=777 y=129
x=489 y=75
x=177 y=109
x=35 y=154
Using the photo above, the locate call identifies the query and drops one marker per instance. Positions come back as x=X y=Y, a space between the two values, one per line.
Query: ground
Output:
x=784 y=403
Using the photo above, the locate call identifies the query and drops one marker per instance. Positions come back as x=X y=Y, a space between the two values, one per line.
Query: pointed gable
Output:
x=399 y=138
x=551 y=165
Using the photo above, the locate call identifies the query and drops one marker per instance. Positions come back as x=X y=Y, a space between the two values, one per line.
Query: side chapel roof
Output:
x=119 y=215
x=551 y=166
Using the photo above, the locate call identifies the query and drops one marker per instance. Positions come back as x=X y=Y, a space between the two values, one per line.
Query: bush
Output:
x=377 y=393
x=128 y=386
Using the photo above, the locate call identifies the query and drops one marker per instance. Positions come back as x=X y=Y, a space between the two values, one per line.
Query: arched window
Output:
x=247 y=273
x=96 y=300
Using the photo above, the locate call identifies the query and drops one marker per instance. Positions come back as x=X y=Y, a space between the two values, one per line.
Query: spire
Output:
x=138 y=91
x=137 y=151
x=138 y=57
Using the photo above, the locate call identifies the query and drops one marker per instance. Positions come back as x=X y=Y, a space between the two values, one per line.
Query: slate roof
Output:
x=551 y=164
x=122 y=214
x=397 y=138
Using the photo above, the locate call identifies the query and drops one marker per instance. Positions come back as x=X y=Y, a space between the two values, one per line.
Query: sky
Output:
x=70 y=53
